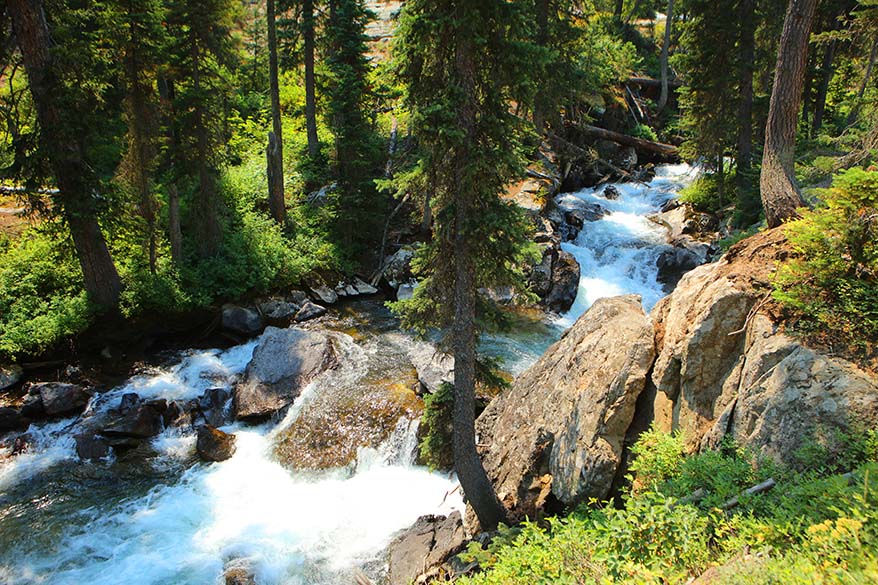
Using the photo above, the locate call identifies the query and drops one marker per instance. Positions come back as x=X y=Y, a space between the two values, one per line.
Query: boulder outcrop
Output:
x=727 y=368
x=284 y=362
x=558 y=432
x=426 y=544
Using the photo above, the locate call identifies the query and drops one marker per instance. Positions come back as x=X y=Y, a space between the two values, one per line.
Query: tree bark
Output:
x=207 y=227
x=310 y=103
x=780 y=194
x=661 y=149
x=475 y=483
x=745 y=89
x=539 y=115
x=823 y=88
x=275 y=165
x=62 y=141
x=663 y=97
x=175 y=233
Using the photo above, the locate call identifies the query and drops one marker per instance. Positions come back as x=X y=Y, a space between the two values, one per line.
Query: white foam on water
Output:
x=286 y=527
x=617 y=254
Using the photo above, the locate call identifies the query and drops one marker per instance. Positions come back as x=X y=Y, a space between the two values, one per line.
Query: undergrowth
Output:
x=816 y=526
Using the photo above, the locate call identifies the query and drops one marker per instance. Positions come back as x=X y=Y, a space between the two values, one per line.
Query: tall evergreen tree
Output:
x=349 y=118
x=461 y=63
x=275 y=150
x=202 y=54
x=308 y=25
x=141 y=38
x=780 y=193
x=65 y=110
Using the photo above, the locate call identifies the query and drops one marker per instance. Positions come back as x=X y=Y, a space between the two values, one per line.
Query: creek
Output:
x=159 y=515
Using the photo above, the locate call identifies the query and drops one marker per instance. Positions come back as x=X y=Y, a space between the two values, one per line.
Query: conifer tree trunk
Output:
x=175 y=232
x=275 y=152
x=663 y=97
x=206 y=222
x=539 y=116
x=822 y=89
x=745 y=89
x=475 y=483
x=873 y=56
x=780 y=193
x=62 y=141
x=310 y=102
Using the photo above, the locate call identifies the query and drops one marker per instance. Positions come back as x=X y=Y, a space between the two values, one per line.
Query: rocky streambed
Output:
x=290 y=458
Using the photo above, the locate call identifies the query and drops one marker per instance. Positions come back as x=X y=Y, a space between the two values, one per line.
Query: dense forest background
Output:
x=171 y=155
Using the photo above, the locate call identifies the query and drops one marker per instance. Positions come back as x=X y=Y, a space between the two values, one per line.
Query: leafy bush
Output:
x=707 y=194
x=645 y=132
x=812 y=528
x=833 y=283
x=437 y=425
x=41 y=293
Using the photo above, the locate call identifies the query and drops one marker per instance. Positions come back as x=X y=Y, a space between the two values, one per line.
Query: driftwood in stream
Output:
x=658 y=148
x=583 y=152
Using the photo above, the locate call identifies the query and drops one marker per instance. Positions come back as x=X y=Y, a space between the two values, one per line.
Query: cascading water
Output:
x=174 y=520
x=617 y=254
x=167 y=518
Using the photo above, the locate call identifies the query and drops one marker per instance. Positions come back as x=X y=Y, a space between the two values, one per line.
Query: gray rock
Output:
x=59 y=399
x=559 y=429
x=134 y=420
x=673 y=263
x=364 y=288
x=324 y=294
x=308 y=311
x=283 y=363
x=425 y=545
x=434 y=368
x=611 y=192
x=565 y=282
x=540 y=277
x=406 y=291
x=398 y=266
x=278 y=311
x=213 y=444
x=10 y=375
x=90 y=447
x=572 y=206
x=212 y=406
x=12 y=420
x=241 y=320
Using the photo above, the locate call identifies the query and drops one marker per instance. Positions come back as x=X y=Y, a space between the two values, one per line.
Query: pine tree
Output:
x=349 y=118
x=462 y=70
x=780 y=192
x=141 y=40
x=66 y=109
x=275 y=151
x=201 y=56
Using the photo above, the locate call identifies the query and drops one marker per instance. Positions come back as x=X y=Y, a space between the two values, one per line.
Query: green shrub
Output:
x=812 y=528
x=645 y=132
x=436 y=423
x=42 y=300
x=708 y=194
x=833 y=283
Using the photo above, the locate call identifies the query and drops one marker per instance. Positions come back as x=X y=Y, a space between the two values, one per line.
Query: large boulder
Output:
x=309 y=311
x=213 y=444
x=558 y=432
x=540 y=274
x=398 y=267
x=284 y=362
x=58 y=398
x=10 y=375
x=565 y=282
x=241 y=319
x=700 y=334
x=434 y=367
x=425 y=545
x=278 y=310
x=726 y=368
x=90 y=447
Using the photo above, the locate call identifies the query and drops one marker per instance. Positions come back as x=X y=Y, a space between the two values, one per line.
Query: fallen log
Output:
x=756 y=489
x=659 y=148
x=588 y=155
